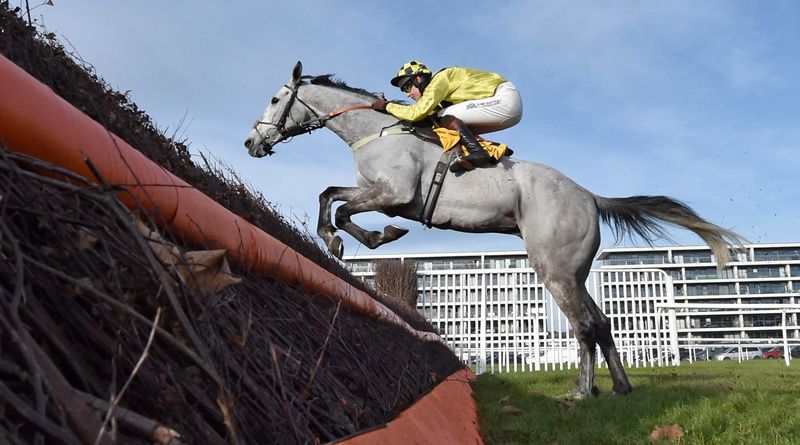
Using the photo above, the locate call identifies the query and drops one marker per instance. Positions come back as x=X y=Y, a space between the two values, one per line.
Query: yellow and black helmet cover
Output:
x=408 y=71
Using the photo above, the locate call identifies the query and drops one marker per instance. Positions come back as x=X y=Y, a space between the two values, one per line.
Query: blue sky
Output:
x=695 y=100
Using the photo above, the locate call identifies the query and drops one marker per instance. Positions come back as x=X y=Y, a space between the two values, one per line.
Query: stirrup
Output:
x=461 y=164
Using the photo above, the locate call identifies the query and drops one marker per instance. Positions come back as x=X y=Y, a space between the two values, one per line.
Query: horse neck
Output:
x=351 y=126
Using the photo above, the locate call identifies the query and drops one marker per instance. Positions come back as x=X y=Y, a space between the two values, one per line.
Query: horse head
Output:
x=272 y=128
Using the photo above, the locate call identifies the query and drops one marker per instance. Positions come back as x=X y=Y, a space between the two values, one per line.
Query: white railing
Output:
x=510 y=323
x=691 y=343
x=629 y=298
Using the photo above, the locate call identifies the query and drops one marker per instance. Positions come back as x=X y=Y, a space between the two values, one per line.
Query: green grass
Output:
x=755 y=402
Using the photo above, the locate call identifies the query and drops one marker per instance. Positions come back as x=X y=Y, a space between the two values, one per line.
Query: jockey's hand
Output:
x=380 y=104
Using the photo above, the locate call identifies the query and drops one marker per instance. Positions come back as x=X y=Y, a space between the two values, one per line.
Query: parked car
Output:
x=748 y=353
x=711 y=354
x=700 y=354
x=776 y=353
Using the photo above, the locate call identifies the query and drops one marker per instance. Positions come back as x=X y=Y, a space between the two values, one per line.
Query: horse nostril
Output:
x=248 y=143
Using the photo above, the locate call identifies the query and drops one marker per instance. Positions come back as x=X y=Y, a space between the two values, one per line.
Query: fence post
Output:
x=537 y=335
x=482 y=350
x=786 y=351
x=673 y=322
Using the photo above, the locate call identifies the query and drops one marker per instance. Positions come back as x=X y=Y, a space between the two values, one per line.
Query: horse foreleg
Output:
x=325 y=228
x=371 y=239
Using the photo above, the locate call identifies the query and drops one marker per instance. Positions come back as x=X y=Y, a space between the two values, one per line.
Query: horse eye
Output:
x=275 y=100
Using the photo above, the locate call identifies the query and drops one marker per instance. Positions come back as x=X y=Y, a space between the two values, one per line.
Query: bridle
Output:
x=303 y=127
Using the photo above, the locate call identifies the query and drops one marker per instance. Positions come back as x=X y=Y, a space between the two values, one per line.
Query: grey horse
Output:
x=557 y=219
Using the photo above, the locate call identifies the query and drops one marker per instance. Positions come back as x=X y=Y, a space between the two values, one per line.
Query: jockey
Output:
x=464 y=99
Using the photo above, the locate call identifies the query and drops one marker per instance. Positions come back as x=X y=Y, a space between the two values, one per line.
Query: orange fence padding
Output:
x=446 y=415
x=38 y=122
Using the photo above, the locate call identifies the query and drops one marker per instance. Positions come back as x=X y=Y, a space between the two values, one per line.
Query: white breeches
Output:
x=498 y=112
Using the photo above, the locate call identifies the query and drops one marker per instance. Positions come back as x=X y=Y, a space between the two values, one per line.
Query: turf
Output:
x=755 y=402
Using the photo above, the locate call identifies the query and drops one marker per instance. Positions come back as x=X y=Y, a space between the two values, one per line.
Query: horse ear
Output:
x=297 y=72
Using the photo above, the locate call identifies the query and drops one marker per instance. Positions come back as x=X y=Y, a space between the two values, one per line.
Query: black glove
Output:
x=380 y=105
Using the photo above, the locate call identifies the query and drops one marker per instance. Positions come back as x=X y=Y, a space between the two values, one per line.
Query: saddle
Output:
x=429 y=130
x=423 y=130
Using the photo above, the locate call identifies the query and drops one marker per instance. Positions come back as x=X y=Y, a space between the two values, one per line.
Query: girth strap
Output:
x=384 y=132
x=436 y=186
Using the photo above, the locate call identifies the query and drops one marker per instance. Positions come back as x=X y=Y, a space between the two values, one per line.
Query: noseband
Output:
x=304 y=127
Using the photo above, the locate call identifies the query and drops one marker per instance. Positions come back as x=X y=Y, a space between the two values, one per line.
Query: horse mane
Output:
x=329 y=81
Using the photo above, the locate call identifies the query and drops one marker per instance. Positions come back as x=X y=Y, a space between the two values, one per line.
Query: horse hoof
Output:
x=570 y=396
x=336 y=247
x=392 y=232
x=580 y=394
x=622 y=390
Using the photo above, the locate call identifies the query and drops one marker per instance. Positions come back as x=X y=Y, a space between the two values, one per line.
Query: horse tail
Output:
x=644 y=215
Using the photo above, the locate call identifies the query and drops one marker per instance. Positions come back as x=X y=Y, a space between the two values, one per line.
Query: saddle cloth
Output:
x=449 y=138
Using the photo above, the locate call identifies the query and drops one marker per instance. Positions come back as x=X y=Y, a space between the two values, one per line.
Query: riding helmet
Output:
x=408 y=71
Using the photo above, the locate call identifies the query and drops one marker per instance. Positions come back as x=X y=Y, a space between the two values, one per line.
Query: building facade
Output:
x=492 y=308
x=723 y=306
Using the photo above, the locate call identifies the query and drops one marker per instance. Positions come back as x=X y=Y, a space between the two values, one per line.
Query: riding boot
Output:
x=477 y=156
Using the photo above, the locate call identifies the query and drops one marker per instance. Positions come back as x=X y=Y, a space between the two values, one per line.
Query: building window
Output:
x=710 y=289
x=360 y=267
x=627 y=259
x=465 y=263
x=760 y=320
x=496 y=263
x=777 y=254
x=519 y=263
x=772 y=300
x=708 y=273
x=693 y=257
x=762 y=288
x=716 y=321
x=762 y=272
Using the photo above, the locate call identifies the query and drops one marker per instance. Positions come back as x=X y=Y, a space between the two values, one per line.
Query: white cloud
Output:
x=744 y=69
x=692 y=99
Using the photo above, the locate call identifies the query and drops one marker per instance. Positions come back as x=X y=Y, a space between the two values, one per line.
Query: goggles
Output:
x=406 y=85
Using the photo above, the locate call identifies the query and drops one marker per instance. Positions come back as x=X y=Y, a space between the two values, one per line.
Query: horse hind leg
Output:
x=566 y=293
x=606 y=341
x=592 y=328
x=564 y=272
x=561 y=239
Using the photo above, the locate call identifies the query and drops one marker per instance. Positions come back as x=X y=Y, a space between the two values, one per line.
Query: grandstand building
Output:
x=761 y=274
x=482 y=303
x=493 y=305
